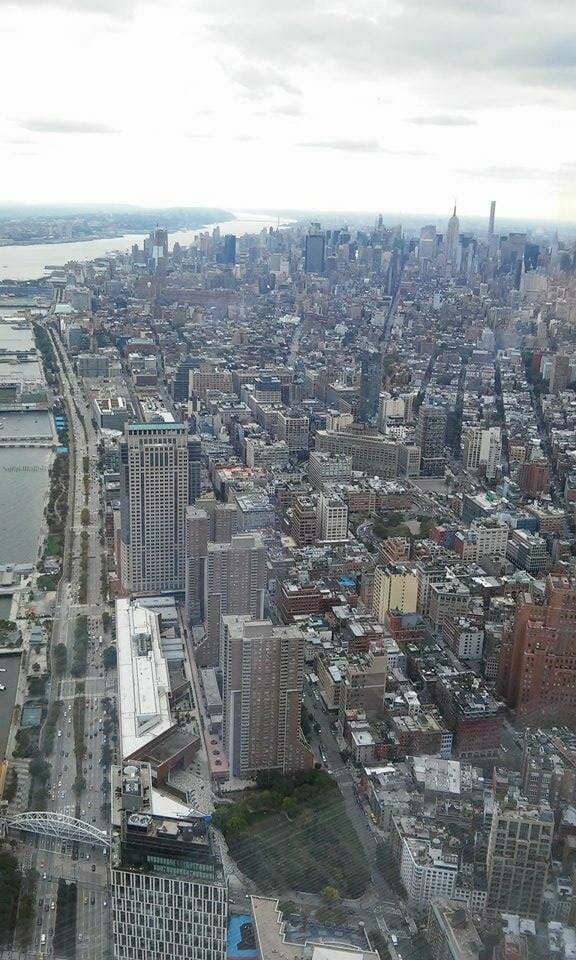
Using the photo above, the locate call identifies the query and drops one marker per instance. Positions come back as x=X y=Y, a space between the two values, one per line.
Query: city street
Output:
x=85 y=864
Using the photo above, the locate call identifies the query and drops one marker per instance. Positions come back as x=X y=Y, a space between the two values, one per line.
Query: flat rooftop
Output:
x=143 y=679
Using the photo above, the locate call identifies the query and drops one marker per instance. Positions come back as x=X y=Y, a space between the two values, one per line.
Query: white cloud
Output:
x=366 y=104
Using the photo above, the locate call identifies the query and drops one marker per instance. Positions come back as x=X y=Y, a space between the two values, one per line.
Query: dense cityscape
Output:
x=293 y=668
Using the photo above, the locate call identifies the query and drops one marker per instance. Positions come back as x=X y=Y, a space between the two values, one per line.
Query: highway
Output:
x=86 y=864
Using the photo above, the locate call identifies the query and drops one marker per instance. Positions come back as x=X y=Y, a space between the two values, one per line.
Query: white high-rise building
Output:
x=169 y=890
x=482 y=448
x=332 y=514
x=155 y=491
x=395 y=588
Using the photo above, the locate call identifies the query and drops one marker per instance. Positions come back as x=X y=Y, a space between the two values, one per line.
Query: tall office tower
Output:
x=235 y=583
x=332 y=518
x=560 y=374
x=370 y=385
x=303 y=523
x=452 y=234
x=208 y=521
x=314 y=259
x=427 y=244
x=169 y=890
x=293 y=426
x=181 y=382
x=518 y=856
x=395 y=588
x=197 y=537
x=194 y=468
x=230 y=249
x=263 y=670
x=537 y=674
x=222 y=517
x=492 y=218
x=155 y=492
x=482 y=448
x=430 y=437
x=159 y=238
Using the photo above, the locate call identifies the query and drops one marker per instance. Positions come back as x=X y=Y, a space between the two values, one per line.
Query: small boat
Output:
x=2 y=669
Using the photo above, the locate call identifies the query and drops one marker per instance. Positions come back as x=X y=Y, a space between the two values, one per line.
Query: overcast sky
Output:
x=398 y=105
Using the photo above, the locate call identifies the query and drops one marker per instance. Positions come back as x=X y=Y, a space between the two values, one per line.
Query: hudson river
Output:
x=30 y=262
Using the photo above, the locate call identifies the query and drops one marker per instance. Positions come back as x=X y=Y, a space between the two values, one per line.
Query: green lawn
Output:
x=296 y=835
x=54 y=545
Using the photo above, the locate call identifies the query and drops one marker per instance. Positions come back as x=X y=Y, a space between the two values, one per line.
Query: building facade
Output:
x=154 y=496
x=263 y=674
x=169 y=891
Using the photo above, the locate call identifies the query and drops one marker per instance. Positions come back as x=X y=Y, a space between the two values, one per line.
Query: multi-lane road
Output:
x=86 y=864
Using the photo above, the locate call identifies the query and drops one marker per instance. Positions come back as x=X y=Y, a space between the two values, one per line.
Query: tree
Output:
x=289 y=806
x=79 y=785
x=109 y=657
x=11 y=785
x=40 y=769
x=235 y=826
x=330 y=894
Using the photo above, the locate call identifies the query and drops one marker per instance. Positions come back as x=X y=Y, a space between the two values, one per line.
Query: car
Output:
x=52 y=905
x=93 y=868
x=46 y=907
x=39 y=921
x=42 y=938
x=80 y=937
x=85 y=900
x=104 y=903
x=44 y=876
x=59 y=733
x=92 y=901
x=394 y=939
x=41 y=902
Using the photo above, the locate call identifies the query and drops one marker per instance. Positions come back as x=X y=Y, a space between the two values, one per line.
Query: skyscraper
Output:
x=169 y=891
x=230 y=249
x=370 y=385
x=314 y=260
x=452 y=234
x=159 y=238
x=518 y=856
x=155 y=492
x=234 y=582
x=538 y=663
x=492 y=218
x=332 y=518
x=430 y=437
x=263 y=668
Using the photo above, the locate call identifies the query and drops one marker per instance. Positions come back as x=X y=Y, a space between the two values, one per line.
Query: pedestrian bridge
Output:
x=56 y=825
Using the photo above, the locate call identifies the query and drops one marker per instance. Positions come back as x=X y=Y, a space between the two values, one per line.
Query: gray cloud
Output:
x=518 y=42
x=444 y=120
x=351 y=146
x=261 y=80
x=292 y=109
x=60 y=125
x=357 y=146
x=503 y=172
x=112 y=8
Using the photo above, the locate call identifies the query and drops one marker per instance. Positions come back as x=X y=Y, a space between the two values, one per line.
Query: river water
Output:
x=30 y=262
x=11 y=665
x=24 y=471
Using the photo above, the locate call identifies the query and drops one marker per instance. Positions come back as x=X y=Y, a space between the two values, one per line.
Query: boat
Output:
x=2 y=669
x=2 y=687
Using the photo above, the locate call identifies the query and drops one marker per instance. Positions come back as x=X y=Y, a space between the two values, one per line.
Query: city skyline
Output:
x=379 y=107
